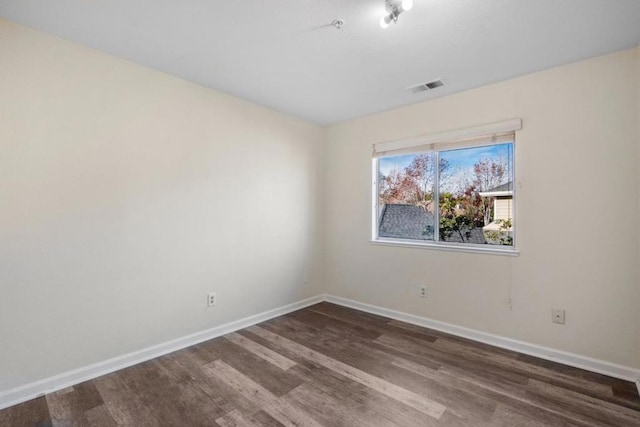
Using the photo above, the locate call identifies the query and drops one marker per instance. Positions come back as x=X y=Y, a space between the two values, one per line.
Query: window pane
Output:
x=476 y=195
x=406 y=197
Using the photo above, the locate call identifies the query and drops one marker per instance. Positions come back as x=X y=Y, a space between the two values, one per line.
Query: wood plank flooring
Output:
x=328 y=365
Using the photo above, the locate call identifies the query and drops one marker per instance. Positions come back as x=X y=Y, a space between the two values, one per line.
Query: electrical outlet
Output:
x=211 y=299
x=557 y=316
x=423 y=291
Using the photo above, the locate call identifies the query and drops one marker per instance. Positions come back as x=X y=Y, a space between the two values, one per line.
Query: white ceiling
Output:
x=284 y=54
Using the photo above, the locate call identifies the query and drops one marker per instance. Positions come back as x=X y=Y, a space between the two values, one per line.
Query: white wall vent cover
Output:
x=422 y=87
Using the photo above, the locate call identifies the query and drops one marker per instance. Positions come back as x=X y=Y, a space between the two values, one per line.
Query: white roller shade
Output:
x=491 y=133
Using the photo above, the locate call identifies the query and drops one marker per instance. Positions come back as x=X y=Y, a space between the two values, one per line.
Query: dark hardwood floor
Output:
x=331 y=366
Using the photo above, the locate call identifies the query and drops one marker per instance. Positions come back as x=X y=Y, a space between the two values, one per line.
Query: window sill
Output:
x=447 y=247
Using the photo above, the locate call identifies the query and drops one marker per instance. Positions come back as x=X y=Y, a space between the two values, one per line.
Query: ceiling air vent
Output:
x=422 y=87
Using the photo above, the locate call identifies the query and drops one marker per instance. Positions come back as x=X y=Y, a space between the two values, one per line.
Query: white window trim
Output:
x=444 y=246
x=435 y=143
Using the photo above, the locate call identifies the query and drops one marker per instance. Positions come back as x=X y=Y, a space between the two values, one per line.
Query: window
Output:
x=455 y=192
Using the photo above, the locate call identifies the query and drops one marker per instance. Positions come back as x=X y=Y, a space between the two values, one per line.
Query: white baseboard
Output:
x=575 y=360
x=58 y=382
x=48 y=385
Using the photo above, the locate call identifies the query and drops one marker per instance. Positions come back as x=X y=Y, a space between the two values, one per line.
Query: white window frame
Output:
x=477 y=136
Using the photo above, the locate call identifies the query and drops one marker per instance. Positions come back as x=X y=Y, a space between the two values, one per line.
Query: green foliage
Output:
x=505 y=224
x=454 y=218
x=502 y=237
x=448 y=203
x=460 y=224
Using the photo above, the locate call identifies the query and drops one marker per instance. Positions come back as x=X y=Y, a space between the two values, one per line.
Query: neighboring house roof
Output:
x=414 y=223
x=500 y=190
x=406 y=222
x=475 y=235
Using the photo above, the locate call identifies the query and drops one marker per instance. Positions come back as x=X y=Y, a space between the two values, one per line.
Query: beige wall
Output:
x=578 y=149
x=126 y=195
x=638 y=109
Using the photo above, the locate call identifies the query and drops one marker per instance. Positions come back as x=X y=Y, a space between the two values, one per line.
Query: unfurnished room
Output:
x=352 y=213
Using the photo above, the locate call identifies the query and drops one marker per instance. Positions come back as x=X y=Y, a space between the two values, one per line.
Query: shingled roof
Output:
x=504 y=187
x=504 y=190
x=474 y=235
x=406 y=222
x=414 y=223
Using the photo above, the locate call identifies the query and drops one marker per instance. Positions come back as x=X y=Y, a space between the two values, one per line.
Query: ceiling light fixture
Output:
x=394 y=8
